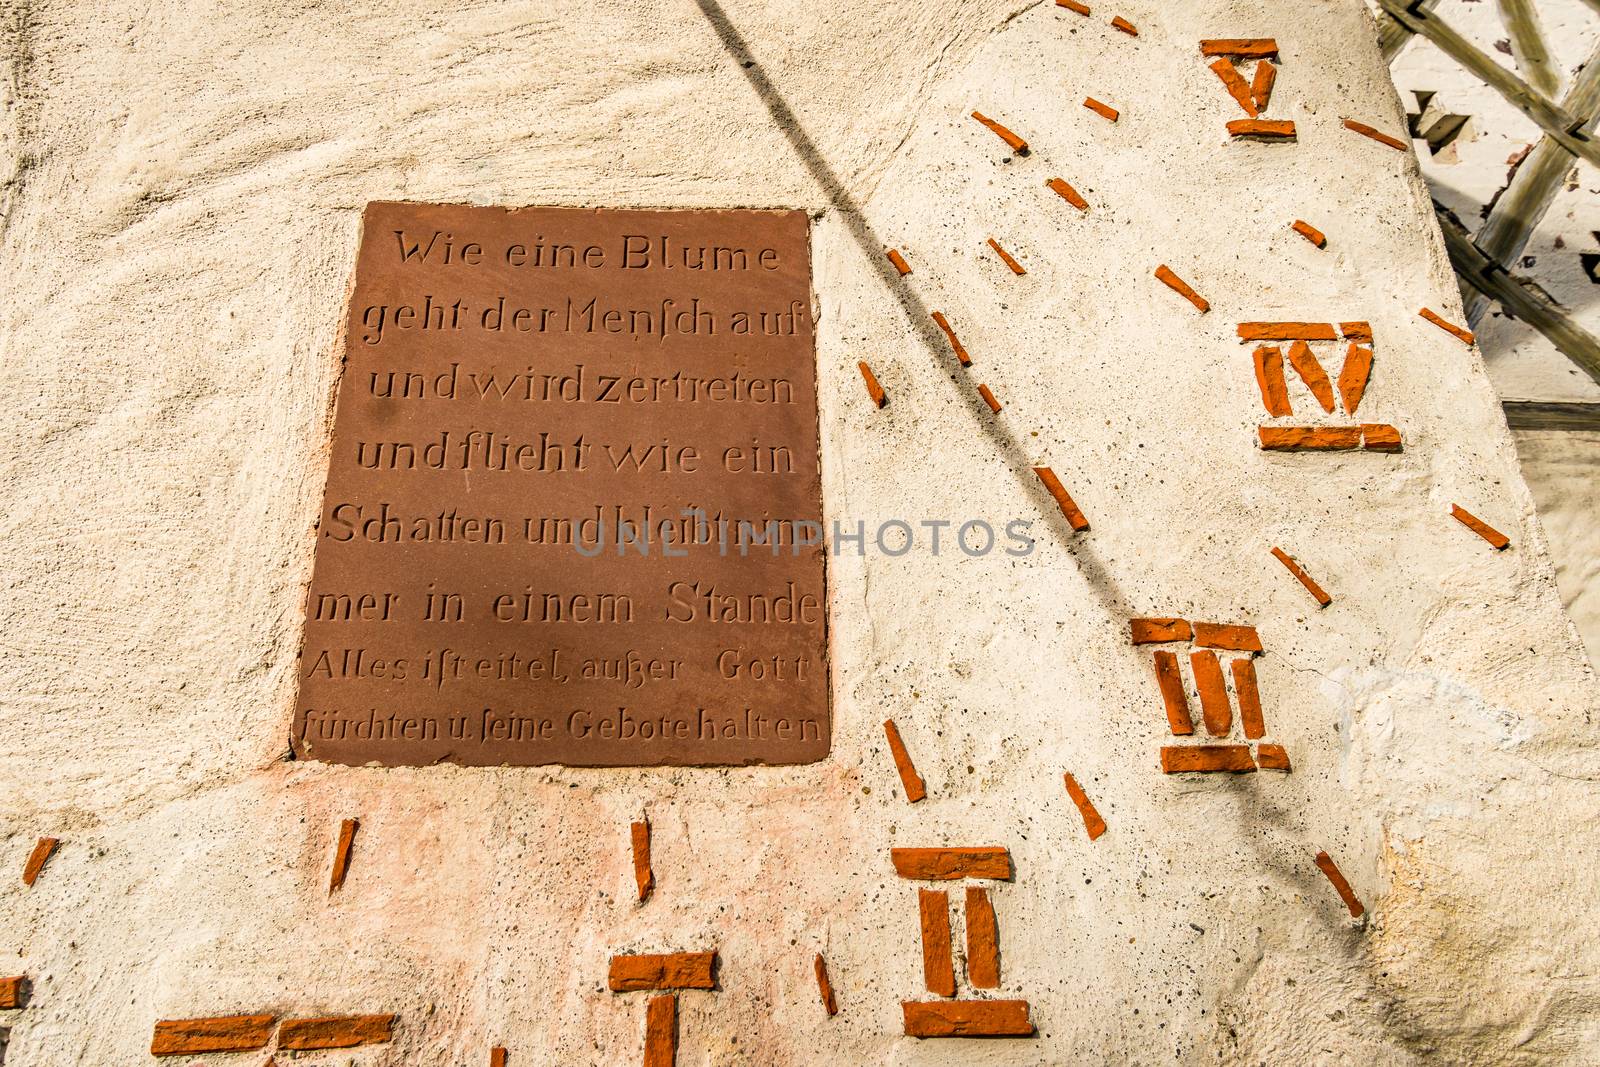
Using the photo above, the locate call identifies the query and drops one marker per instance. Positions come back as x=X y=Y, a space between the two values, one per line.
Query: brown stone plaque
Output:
x=519 y=388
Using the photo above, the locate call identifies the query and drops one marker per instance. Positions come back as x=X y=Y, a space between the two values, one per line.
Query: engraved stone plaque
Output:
x=573 y=510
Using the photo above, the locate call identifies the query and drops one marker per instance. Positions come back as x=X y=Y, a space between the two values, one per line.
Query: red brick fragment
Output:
x=1269 y=378
x=1092 y=822
x=14 y=992
x=498 y=1057
x=1068 y=193
x=1377 y=135
x=1183 y=759
x=1152 y=631
x=1466 y=337
x=1331 y=869
x=1240 y=47
x=1125 y=26
x=1214 y=707
x=1015 y=143
x=1236 y=86
x=1309 y=438
x=1063 y=499
x=1073 y=5
x=1310 y=233
x=673 y=970
x=1261 y=84
x=952 y=864
x=966 y=1018
x=341 y=853
x=1305 y=364
x=1262 y=130
x=1305 y=579
x=1357 y=331
x=938 y=969
x=222 y=1033
x=988 y=398
x=661 y=1032
x=825 y=988
x=643 y=875
x=1016 y=268
x=1173 y=694
x=910 y=780
x=1236 y=638
x=1287 y=331
x=1380 y=437
x=944 y=324
x=983 y=940
x=1249 y=693
x=899 y=261
x=874 y=390
x=335 y=1031
x=1181 y=287
x=1272 y=758
x=1353 y=376
x=42 y=851
x=1105 y=111
x=1479 y=527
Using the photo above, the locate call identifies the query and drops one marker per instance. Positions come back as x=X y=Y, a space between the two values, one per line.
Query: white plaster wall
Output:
x=179 y=230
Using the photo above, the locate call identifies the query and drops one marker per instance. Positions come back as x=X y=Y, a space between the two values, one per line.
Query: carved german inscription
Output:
x=573 y=511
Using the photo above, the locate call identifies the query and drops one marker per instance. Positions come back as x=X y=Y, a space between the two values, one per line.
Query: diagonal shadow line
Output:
x=912 y=306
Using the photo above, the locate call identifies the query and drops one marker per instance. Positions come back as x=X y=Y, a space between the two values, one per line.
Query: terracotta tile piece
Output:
x=1125 y=26
x=1287 y=331
x=1249 y=694
x=1310 y=233
x=1073 y=5
x=1215 y=710
x=1479 y=527
x=661 y=1032
x=222 y=1033
x=1305 y=364
x=1466 y=337
x=966 y=1018
x=952 y=864
x=874 y=390
x=983 y=940
x=341 y=853
x=988 y=398
x=1015 y=143
x=14 y=992
x=938 y=969
x=825 y=987
x=335 y=1031
x=1305 y=579
x=1063 y=499
x=1105 y=111
x=1380 y=437
x=1237 y=638
x=1331 y=869
x=1092 y=822
x=673 y=970
x=944 y=324
x=1262 y=129
x=498 y=1057
x=1261 y=85
x=1068 y=193
x=1173 y=695
x=899 y=261
x=910 y=780
x=1181 y=759
x=1240 y=47
x=1272 y=758
x=1309 y=438
x=1377 y=135
x=1236 y=86
x=1151 y=631
x=1181 y=287
x=1270 y=380
x=42 y=851
x=1016 y=268
x=1357 y=331
x=1353 y=376
x=643 y=875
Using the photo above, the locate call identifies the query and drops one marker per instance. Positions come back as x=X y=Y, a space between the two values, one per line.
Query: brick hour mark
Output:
x=341 y=853
x=910 y=780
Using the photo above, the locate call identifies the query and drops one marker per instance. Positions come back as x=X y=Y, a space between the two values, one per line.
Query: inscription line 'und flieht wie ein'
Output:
x=548 y=423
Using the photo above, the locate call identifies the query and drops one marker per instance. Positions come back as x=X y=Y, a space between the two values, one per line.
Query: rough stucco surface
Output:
x=181 y=213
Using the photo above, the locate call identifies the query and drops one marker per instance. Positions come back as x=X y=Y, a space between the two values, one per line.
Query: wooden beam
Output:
x=1527 y=45
x=1392 y=36
x=1552 y=415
